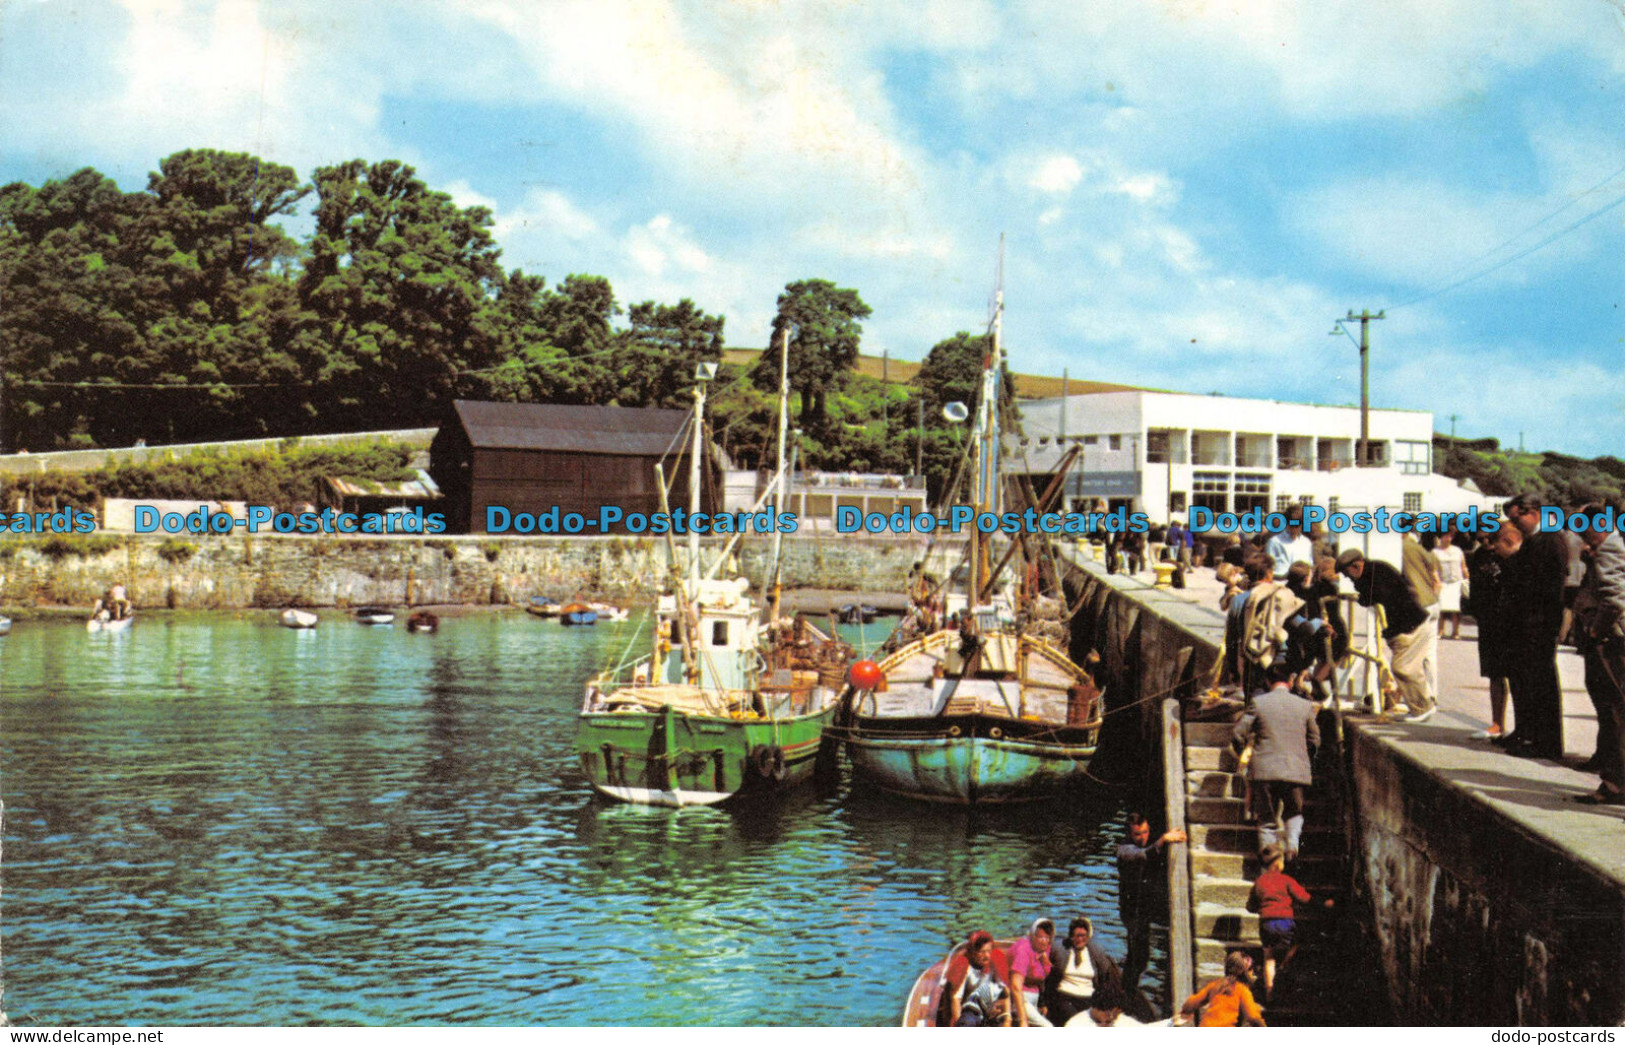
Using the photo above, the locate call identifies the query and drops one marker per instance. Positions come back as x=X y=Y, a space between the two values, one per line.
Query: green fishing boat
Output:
x=722 y=705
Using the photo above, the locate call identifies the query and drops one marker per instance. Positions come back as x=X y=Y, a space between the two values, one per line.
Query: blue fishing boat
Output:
x=975 y=700
x=577 y=613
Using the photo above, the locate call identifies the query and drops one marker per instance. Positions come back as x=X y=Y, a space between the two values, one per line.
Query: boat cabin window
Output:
x=719 y=633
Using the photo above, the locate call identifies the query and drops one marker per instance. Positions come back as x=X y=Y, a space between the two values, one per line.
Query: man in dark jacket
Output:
x=1378 y=584
x=1280 y=726
x=1532 y=590
x=1599 y=632
x=1140 y=891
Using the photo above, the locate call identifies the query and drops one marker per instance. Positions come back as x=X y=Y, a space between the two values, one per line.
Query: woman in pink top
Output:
x=1029 y=968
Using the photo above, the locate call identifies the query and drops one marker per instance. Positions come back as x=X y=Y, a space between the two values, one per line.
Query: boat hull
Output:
x=122 y=624
x=667 y=757
x=970 y=760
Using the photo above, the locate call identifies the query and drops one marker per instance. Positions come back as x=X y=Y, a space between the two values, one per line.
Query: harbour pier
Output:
x=1480 y=893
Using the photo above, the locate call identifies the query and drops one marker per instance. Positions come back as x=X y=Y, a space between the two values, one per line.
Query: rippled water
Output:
x=212 y=819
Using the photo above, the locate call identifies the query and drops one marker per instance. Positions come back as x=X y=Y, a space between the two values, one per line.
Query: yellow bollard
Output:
x=1165 y=574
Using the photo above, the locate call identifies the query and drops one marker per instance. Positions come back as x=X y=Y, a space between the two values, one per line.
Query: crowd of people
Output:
x=1527 y=589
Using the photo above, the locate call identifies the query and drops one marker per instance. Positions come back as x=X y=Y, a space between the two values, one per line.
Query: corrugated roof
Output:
x=421 y=488
x=575 y=429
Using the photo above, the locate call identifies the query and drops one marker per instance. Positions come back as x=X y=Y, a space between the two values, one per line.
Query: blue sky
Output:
x=1191 y=192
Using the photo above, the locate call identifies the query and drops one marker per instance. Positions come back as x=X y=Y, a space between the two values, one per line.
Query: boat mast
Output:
x=702 y=374
x=988 y=497
x=783 y=475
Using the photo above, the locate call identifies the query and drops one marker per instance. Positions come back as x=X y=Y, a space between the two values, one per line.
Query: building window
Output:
x=1211 y=490
x=1114 y=442
x=719 y=633
x=1282 y=502
x=1176 y=501
x=1090 y=440
x=1252 y=491
x=1332 y=504
x=1413 y=502
x=1412 y=457
x=1156 y=447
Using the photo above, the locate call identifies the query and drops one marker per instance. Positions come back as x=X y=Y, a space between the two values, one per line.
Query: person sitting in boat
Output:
x=1227 y=1002
x=1079 y=968
x=978 y=984
x=118 y=602
x=1029 y=969
x=1107 y=1010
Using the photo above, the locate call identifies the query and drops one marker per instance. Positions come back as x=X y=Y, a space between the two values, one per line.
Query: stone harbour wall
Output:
x=1478 y=922
x=240 y=572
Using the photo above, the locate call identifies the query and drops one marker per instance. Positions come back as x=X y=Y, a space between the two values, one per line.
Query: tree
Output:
x=825 y=324
x=662 y=348
x=952 y=372
x=397 y=279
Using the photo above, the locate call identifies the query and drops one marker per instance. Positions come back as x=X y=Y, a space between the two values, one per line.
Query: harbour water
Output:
x=211 y=819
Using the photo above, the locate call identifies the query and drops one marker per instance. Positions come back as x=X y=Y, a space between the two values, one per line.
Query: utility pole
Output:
x=885 y=392
x=919 y=436
x=1363 y=454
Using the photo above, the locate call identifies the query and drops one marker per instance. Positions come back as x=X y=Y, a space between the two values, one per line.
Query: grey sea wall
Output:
x=241 y=572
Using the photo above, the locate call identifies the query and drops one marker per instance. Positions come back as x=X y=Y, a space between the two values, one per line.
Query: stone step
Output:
x=1208 y=734
x=1214 y=811
x=1321 y=874
x=1218 y=922
x=1243 y=838
x=1230 y=892
x=1212 y=783
x=1210 y=758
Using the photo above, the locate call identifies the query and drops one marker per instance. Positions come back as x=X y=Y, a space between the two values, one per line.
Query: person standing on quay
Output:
x=1422 y=574
x=1533 y=586
x=1599 y=631
x=1453 y=573
x=1408 y=626
x=1494 y=662
x=1139 y=881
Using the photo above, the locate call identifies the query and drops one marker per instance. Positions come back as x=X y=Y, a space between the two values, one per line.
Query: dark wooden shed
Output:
x=530 y=457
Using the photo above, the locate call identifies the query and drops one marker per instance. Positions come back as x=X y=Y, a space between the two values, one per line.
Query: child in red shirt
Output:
x=1271 y=899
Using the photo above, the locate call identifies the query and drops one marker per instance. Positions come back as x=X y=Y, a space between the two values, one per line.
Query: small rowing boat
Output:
x=374 y=615
x=105 y=623
x=609 y=611
x=423 y=621
x=291 y=618
x=542 y=606
x=577 y=613
x=5 y=625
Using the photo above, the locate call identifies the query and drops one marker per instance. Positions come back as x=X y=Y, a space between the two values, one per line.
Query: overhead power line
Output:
x=1525 y=252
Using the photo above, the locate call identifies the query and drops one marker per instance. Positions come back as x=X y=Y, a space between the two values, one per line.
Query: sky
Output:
x=1190 y=192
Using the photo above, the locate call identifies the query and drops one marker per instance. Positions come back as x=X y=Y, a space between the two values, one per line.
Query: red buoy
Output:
x=866 y=674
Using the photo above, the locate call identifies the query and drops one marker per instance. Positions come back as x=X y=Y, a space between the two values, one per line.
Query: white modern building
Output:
x=1164 y=452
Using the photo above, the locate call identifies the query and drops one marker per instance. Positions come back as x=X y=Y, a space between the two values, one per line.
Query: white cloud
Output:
x=1057 y=175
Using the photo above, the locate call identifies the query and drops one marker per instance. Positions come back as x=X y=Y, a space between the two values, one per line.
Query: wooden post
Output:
x=1181 y=950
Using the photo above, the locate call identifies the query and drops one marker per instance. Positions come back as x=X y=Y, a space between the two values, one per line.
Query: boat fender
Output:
x=767 y=760
x=995 y=732
x=953 y=731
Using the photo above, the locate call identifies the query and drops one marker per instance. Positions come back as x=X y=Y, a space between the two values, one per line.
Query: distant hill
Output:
x=1558 y=478
x=901 y=372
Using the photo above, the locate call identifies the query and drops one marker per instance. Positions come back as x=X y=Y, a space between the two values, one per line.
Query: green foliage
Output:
x=59 y=546
x=281 y=478
x=825 y=322
x=1559 y=479
x=175 y=550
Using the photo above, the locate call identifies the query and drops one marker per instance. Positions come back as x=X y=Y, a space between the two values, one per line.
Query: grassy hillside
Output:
x=901 y=372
